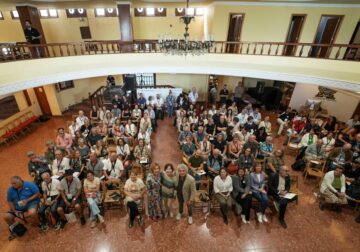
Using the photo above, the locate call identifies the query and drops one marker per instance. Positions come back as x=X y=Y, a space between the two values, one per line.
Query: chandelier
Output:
x=170 y=45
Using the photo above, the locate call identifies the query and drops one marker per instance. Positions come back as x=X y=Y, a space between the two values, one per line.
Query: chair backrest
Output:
x=317 y=164
x=294 y=183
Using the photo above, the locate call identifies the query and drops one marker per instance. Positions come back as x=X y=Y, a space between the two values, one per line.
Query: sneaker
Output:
x=243 y=219
x=259 y=217
x=82 y=220
x=171 y=215
x=190 y=220
x=264 y=218
x=101 y=218
x=248 y=222
x=12 y=236
x=140 y=221
x=166 y=215
x=57 y=225
x=63 y=223
x=131 y=224
x=93 y=224
x=276 y=205
x=178 y=216
x=283 y=223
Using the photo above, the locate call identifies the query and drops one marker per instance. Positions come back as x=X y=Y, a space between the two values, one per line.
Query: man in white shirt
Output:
x=256 y=116
x=143 y=134
x=242 y=117
x=51 y=193
x=333 y=188
x=193 y=96
x=159 y=103
x=113 y=169
x=60 y=164
x=80 y=120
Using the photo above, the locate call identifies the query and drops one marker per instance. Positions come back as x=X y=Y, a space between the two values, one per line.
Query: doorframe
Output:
x=301 y=29
x=228 y=26
x=337 y=30
x=356 y=30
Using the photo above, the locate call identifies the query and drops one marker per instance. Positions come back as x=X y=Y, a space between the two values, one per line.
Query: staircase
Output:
x=85 y=106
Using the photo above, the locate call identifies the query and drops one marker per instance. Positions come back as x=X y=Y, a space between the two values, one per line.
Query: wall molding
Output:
x=282 y=4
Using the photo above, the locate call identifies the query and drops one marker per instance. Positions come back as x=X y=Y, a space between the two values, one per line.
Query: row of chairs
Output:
x=18 y=126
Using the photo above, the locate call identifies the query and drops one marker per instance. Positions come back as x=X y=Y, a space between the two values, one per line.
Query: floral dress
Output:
x=154 y=199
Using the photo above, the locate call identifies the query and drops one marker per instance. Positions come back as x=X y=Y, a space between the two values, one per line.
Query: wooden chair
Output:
x=114 y=198
x=315 y=168
x=294 y=186
x=293 y=148
x=199 y=205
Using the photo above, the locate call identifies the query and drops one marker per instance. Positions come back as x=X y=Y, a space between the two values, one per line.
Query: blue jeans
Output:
x=170 y=111
x=263 y=200
x=94 y=209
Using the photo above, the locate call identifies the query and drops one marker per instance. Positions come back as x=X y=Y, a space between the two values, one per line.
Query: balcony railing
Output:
x=22 y=51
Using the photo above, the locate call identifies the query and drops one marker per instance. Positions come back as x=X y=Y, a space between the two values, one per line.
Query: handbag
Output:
x=299 y=165
x=18 y=229
x=71 y=217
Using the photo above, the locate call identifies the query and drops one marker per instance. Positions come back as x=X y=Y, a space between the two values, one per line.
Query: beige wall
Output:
x=186 y=82
x=343 y=108
x=50 y=92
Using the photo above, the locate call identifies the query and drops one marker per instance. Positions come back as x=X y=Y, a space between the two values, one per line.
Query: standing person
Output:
x=167 y=180
x=33 y=37
x=222 y=189
x=185 y=190
x=170 y=102
x=134 y=190
x=239 y=93
x=257 y=182
x=241 y=193
x=22 y=197
x=213 y=93
x=279 y=186
x=224 y=94
x=193 y=96
x=154 y=192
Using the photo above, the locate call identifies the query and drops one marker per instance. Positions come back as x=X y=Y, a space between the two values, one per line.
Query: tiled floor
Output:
x=309 y=228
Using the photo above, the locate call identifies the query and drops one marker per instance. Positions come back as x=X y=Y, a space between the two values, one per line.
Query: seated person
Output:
x=328 y=143
x=143 y=134
x=50 y=151
x=22 y=197
x=352 y=172
x=220 y=144
x=234 y=148
x=122 y=149
x=266 y=124
x=118 y=129
x=333 y=188
x=182 y=136
x=80 y=120
x=256 y=116
x=95 y=165
x=242 y=117
x=266 y=148
x=309 y=138
x=93 y=137
x=188 y=148
x=284 y=119
x=253 y=145
x=257 y=187
x=76 y=163
x=315 y=151
x=116 y=111
x=250 y=125
x=130 y=131
x=275 y=162
x=205 y=147
x=246 y=160
x=85 y=128
x=279 y=186
x=199 y=135
x=126 y=113
x=83 y=149
x=141 y=153
x=145 y=122
x=340 y=156
x=70 y=196
x=60 y=164
x=73 y=128
x=261 y=135
x=50 y=199
x=222 y=189
x=36 y=166
x=113 y=170
x=241 y=194
x=244 y=136
x=136 y=113
x=221 y=125
x=210 y=129
x=214 y=163
x=93 y=197
x=196 y=163
x=295 y=134
x=100 y=149
x=63 y=140
x=134 y=190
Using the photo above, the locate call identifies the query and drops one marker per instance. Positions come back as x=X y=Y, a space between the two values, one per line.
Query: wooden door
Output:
x=43 y=101
x=354 y=53
x=234 y=32
x=293 y=35
x=357 y=110
x=326 y=33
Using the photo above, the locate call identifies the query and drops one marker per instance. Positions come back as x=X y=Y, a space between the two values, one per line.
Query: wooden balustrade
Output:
x=23 y=51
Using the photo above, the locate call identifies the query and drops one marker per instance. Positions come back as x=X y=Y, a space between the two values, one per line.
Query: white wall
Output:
x=343 y=108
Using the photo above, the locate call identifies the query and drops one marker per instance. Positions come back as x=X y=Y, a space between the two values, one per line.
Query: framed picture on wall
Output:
x=60 y=86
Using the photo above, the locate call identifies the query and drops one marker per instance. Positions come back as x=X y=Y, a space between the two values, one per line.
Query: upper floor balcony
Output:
x=26 y=66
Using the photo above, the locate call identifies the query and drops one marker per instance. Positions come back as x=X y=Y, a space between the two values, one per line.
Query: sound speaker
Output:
x=130 y=82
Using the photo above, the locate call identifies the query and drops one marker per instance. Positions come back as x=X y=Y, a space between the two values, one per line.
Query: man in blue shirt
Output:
x=22 y=196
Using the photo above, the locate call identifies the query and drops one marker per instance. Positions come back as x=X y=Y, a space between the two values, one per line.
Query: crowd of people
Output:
x=230 y=145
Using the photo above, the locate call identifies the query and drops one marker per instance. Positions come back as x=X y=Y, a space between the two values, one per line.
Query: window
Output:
x=1 y=16
x=106 y=12
x=52 y=13
x=76 y=13
x=150 y=12
x=14 y=14
x=189 y=11
x=145 y=79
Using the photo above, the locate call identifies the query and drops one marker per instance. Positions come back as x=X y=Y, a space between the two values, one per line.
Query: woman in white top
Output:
x=266 y=124
x=122 y=149
x=102 y=113
x=328 y=143
x=145 y=122
x=222 y=189
x=136 y=113
x=109 y=119
x=205 y=147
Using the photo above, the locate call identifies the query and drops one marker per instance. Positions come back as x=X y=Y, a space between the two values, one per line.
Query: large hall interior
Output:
x=180 y=125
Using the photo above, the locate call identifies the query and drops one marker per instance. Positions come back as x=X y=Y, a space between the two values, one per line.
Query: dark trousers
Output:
x=53 y=210
x=159 y=113
x=133 y=209
x=154 y=124
x=238 y=101
x=282 y=205
x=181 y=207
x=245 y=205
